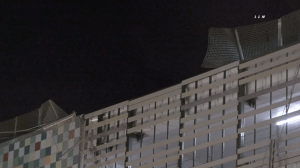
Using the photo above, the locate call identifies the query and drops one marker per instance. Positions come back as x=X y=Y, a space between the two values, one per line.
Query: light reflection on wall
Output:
x=293 y=107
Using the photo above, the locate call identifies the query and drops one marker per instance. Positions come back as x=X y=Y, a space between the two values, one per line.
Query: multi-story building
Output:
x=244 y=113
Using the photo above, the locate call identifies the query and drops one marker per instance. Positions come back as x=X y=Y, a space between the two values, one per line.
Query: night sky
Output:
x=87 y=56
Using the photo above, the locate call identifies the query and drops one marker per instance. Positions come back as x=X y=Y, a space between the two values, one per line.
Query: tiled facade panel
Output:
x=44 y=150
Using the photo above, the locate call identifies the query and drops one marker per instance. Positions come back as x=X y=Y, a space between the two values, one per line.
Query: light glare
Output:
x=288 y=120
x=94 y=119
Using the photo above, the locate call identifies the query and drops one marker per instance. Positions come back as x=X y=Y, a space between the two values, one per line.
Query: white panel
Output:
x=269 y=56
x=266 y=73
x=255 y=146
x=106 y=145
x=207 y=87
x=268 y=65
x=159 y=162
x=107 y=162
x=164 y=153
x=270 y=121
x=289 y=136
x=253 y=157
x=266 y=108
x=164 y=92
x=138 y=128
x=217 y=162
x=211 y=130
x=212 y=121
x=145 y=114
x=169 y=141
x=209 y=73
x=104 y=156
x=105 y=122
x=113 y=107
x=211 y=143
x=216 y=109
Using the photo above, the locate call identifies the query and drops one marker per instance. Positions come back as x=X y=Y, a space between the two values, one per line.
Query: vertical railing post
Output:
x=210 y=148
x=181 y=125
x=241 y=122
x=128 y=142
x=223 y=114
x=195 y=123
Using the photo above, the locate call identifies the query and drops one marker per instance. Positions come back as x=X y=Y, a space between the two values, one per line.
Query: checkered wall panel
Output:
x=45 y=150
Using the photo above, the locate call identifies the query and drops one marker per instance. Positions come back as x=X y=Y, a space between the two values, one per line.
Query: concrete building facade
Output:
x=227 y=117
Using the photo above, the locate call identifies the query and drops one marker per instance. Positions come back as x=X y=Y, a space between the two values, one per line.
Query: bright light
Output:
x=94 y=119
x=288 y=120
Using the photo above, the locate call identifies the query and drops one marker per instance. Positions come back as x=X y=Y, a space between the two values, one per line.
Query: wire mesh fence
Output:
x=258 y=38
x=291 y=27
x=222 y=48
x=28 y=122
x=255 y=40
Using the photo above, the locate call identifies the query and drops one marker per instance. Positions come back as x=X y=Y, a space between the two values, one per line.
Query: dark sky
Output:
x=87 y=56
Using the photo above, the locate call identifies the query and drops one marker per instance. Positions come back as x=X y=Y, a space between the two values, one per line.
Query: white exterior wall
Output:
x=198 y=122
